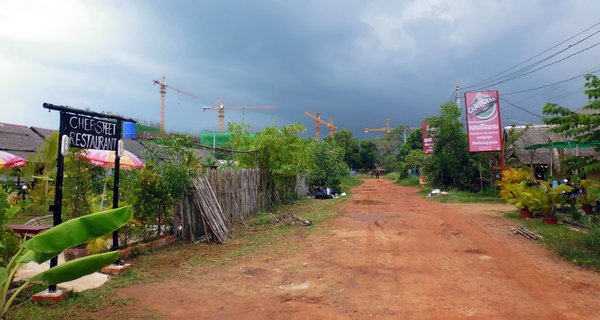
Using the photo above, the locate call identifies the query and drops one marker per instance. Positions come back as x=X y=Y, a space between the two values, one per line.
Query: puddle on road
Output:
x=368 y=217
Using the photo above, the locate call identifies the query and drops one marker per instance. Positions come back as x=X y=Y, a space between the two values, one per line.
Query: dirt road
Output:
x=391 y=255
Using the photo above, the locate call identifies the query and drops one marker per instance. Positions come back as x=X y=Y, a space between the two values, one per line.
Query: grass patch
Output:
x=456 y=196
x=350 y=182
x=409 y=181
x=392 y=176
x=71 y=308
x=578 y=247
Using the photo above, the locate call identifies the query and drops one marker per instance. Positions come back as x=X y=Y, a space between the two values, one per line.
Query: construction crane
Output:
x=386 y=129
x=163 y=90
x=318 y=121
x=221 y=108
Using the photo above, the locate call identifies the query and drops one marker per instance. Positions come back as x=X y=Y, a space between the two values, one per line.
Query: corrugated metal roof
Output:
x=18 y=140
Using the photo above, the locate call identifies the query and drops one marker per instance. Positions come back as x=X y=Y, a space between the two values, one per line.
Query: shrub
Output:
x=10 y=245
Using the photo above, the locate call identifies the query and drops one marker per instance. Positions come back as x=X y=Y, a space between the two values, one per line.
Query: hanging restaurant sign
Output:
x=89 y=132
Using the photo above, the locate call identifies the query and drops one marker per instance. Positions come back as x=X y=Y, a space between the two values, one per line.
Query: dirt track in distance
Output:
x=390 y=255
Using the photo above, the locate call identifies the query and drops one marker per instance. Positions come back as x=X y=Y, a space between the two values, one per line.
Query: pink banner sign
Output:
x=483 y=121
x=427 y=138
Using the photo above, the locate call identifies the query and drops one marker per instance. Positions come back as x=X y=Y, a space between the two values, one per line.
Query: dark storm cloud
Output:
x=358 y=62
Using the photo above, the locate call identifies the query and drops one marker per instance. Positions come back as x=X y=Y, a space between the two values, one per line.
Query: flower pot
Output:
x=526 y=214
x=587 y=209
x=551 y=220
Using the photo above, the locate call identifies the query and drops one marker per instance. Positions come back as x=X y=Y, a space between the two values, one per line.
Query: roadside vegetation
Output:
x=579 y=246
x=262 y=234
x=284 y=158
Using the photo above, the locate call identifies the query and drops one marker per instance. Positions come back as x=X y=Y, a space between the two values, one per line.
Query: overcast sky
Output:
x=355 y=61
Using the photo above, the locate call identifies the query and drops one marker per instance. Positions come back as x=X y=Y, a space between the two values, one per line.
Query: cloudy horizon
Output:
x=356 y=62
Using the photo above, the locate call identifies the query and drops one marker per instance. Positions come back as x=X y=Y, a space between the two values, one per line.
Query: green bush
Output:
x=10 y=245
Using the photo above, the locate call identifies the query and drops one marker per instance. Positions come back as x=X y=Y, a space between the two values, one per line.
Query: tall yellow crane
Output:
x=163 y=90
x=318 y=121
x=386 y=129
x=221 y=108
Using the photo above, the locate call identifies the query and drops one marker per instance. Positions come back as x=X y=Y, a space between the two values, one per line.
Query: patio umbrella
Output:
x=9 y=160
x=106 y=158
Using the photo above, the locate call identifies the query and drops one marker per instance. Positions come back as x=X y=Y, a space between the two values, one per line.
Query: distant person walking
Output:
x=375 y=172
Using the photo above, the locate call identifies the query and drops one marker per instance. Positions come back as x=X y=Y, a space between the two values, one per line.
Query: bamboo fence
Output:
x=223 y=197
x=219 y=199
x=239 y=191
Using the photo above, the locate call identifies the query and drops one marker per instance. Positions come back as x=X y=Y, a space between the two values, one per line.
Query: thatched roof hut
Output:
x=540 y=134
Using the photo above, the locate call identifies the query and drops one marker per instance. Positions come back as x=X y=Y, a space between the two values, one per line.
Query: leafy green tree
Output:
x=280 y=153
x=415 y=160
x=368 y=155
x=414 y=141
x=583 y=127
x=168 y=175
x=450 y=166
x=329 y=165
x=77 y=185
x=149 y=198
x=388 y=148
x=350 y=146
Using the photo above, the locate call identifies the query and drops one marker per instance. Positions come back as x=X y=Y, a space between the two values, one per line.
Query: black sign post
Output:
x=87 y=130
x=115 y=234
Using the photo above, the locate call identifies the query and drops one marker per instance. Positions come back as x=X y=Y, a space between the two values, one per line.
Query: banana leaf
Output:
x=77 y=268
x=74 y=232
x=3 y=276
x=38 y=257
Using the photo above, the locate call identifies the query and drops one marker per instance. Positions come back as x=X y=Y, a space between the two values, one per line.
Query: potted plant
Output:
x=589 y=198
x=516 y=188
x=547 y=199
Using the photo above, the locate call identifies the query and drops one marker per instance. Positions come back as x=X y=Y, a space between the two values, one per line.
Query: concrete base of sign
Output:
x=47 y=296
x=115 y=269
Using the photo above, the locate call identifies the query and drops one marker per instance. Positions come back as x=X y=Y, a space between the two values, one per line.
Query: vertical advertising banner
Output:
x=427 y=138
x=483 y=121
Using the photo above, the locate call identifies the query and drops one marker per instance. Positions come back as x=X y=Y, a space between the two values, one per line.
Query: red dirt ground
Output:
x=391 y=255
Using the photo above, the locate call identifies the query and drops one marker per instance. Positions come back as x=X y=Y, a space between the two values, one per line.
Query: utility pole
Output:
x=458 y=93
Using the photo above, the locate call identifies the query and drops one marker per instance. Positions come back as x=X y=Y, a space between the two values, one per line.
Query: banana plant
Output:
x=52 y=242
x=548 y=198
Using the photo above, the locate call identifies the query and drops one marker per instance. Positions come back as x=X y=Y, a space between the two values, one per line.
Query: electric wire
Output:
x=495 y=77
x=453 y=95
x=520 y=72
x=544 y=66
x=551 y=84
x=521 y=108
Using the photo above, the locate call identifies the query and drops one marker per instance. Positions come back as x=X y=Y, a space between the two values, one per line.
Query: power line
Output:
x=521 y=108
x=520 y=72
x=489 y=79
x=452 y=96
x=545 y=66
x=551 y=84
